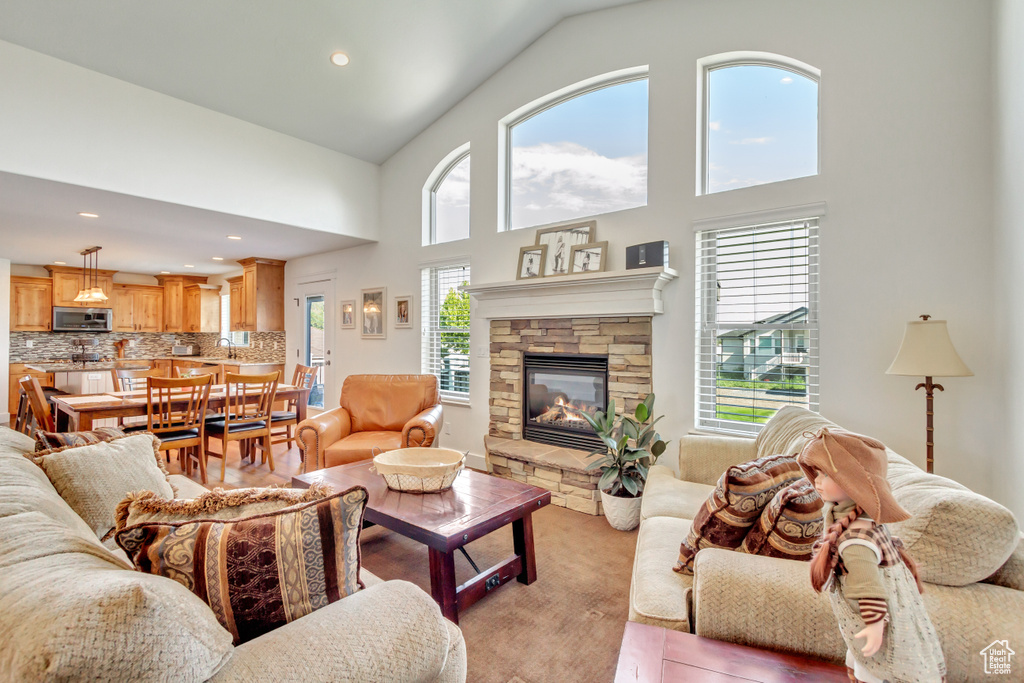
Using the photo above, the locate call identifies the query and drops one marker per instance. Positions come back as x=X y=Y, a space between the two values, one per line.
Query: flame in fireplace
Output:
x=566 y=414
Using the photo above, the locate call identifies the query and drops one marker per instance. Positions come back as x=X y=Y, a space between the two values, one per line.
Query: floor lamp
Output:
x=927 y=350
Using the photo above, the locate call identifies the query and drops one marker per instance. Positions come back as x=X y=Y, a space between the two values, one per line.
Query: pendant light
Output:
x=91 y=292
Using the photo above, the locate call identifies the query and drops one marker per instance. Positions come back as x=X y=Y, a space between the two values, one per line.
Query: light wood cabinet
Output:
x=31 y=304
x=163 y=367
x=17 y=371
x=67 y=282
x=254 y=369
x=201 y=309
x=262 y=296
x=174 y=299
x=237 y=308
x=138 y=308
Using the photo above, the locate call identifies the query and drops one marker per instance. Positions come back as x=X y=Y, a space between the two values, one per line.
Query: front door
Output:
x=316 y=310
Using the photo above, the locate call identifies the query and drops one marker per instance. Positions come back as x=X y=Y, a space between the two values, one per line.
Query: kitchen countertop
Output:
x=137 y=363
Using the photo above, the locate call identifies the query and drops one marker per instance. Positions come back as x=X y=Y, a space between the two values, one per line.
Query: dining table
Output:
x=78 y=412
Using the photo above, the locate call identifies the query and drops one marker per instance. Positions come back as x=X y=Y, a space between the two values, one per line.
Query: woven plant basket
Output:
x=419 y=470
x=622 y=513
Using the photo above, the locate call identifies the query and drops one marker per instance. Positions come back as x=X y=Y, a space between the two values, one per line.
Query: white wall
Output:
x=906 y=98
x=62 y=122
x=1009 y=246
x=5 y=332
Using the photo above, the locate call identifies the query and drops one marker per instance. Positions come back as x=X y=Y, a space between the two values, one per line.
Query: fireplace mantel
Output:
x=619 y=293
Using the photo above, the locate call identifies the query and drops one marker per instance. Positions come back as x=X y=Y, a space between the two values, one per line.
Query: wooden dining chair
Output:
x=175 y=411
x=132 y=380
x=38 y=403
x=24 y=421
x=303 y=378
x=247 y=408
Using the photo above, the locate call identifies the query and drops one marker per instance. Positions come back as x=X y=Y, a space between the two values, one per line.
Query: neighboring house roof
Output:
x=794 y=316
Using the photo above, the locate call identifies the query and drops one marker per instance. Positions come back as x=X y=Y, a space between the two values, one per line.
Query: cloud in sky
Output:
x=454 y=191
x=786 y=80
x=751 y=141
x=561 y=181
x=715 y=125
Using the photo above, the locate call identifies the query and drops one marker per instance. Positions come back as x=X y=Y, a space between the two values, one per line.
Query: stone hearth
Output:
x=559 y=470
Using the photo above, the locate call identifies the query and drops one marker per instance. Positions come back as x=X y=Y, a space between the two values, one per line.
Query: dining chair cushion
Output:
x=178 y=436
x=263 y=571
x=94 y=478
x=47 y=440
x=218 y=427
x=145 y=506
x=283 y=415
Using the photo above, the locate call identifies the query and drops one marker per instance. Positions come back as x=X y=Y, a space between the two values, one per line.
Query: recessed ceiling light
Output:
x=59 y=263
x=218 y=258
x=165 y=272
x=339 y=59
x=234 y=237
x=85 y=214
x=189 y=266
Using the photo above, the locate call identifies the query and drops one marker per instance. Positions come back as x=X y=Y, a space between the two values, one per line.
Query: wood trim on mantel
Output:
x=603 y=294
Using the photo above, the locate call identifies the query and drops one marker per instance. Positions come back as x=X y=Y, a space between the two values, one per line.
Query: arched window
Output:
x=446 y=204
x=579 y=152
x=760 y=121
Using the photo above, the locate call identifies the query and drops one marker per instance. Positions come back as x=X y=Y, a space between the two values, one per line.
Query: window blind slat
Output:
x=757 y=313
x=445 y=328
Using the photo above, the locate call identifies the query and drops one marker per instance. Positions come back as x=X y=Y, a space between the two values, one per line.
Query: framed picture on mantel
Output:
x=560 y=240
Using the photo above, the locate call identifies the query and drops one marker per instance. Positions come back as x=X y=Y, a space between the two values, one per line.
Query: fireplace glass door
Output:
x=558 y=389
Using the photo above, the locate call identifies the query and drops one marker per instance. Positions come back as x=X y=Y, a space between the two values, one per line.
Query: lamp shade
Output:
x=926 y=351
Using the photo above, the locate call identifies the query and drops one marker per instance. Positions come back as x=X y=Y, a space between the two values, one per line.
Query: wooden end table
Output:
x=476 y=505
x=652 y=654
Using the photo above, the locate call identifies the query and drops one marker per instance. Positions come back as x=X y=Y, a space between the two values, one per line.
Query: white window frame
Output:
x=742 y=58
x=238 y=338
x=434 y=181
x=538 y=106
x=708 y=329
x=429 y=326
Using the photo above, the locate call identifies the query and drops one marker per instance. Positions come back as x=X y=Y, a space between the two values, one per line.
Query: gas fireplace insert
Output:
x=557 y=390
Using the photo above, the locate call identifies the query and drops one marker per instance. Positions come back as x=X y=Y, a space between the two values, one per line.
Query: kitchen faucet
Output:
x=231 y=347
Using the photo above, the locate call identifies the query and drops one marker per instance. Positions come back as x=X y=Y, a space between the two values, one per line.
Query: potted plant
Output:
x=632 y=446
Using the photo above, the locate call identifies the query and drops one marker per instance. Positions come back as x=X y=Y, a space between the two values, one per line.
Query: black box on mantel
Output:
x=647 y=255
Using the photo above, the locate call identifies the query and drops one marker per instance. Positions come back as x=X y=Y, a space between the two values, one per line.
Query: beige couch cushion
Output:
x=71 y=612
x=956 y=536
x=93 y=479
x=666 y=496
x=11 y=440
x=658 y=595
x=784 y=432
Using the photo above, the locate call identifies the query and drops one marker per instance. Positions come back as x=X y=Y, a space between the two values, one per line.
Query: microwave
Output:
x=82 y=319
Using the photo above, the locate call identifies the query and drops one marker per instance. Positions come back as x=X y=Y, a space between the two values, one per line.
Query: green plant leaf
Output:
x=613 y=445
x=649 y=402
x=594 y=424
x=645 y=439
x=658 y=448
x=623 y=442
x=630 y=485
x=602 y=462
x=609 y=477
x=642 y=469
x=629 y=428
x=635 y=454
x=642 y=413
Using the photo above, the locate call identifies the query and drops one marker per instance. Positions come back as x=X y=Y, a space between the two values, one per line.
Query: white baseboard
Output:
x=475 y=461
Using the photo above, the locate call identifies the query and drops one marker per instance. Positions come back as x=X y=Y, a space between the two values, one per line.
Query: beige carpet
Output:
x=567 y=626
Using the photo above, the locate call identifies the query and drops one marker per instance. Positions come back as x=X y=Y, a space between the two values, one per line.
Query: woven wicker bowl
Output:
x=419 y=470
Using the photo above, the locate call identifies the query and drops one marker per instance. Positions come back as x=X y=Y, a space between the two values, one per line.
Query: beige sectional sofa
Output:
x=969 y=549
x=71 y=609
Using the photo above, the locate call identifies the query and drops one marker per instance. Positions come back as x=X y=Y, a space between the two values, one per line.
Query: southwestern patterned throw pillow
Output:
x=257 y=573
x=735 y=505
x=789 y=525
x=48 y=440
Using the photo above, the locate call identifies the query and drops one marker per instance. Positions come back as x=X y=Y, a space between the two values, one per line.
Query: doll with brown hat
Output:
x=871 y=580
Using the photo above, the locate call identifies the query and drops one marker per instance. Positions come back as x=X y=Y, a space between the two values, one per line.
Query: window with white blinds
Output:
x=237 y=338
x=757 y=323
x=445 y=319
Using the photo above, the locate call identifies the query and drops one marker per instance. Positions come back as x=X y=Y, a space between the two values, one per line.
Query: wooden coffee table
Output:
x=476 y=505
x=651 y=654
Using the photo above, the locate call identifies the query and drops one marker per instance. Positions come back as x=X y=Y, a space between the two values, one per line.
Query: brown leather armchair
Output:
x=386 y=411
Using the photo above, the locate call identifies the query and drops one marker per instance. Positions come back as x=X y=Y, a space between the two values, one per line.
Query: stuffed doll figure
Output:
x=870 y=579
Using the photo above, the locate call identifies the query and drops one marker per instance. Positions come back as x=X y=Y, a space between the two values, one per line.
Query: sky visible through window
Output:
x=584 y=157
x=762 y=126
x=451 y=205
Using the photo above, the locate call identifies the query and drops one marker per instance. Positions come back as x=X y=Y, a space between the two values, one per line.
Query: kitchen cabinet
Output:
x=174 y=299
x=31 y=304
x=262 y=296
x=163 y=367
x=237 y=322
x=250 y=369
x=67 y=282
x=138 y=308
x=18 y=371
x=201 y=308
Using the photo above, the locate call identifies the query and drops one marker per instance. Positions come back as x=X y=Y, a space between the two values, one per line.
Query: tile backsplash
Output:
x=264 y=347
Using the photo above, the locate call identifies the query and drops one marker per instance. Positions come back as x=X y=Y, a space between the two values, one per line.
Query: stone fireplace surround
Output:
x=625 y=340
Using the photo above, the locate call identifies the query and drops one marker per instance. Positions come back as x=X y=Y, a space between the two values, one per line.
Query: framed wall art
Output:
x=374 y=313
x=588 y=258
x=559 y=240
x=403 y=311
x=348 y=315
x=531 y=261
